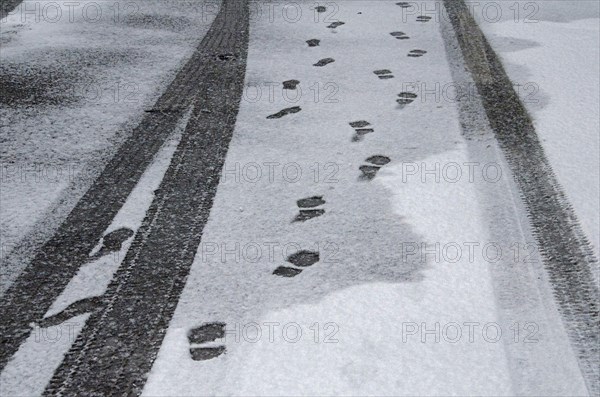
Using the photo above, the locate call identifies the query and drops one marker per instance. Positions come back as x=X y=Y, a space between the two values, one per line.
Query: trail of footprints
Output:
x=204 y=340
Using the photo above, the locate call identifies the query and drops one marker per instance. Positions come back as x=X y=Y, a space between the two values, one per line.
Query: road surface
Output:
x=347 y=198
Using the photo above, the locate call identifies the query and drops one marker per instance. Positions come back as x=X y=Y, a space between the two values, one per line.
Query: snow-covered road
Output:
x=368 y=235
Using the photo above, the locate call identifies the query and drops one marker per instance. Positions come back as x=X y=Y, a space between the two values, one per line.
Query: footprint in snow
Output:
x=416 y=53
x=370 y=171
x=400 y=35
x=336 y=24
x=423 y=18
x=313 y=42
x=285 y=112
x=299 y=259
x=324 y=61
x=308 y=210
x=360 y=130
x=200 y=337
x=405 y=98
x=384 y=74
x=290 y=84
x=113 y=241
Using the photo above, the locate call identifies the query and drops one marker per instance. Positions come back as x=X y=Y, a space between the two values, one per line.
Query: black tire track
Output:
x=119 y=343
x=32 y=293
x=567 y=254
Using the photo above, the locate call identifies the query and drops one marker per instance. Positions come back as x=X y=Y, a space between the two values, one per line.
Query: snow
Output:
x=557 y=54
x=90 y=83
x=364 y=309
x=366 y=292
x=32 y=367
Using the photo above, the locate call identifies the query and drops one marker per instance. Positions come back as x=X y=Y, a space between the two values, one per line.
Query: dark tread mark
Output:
x=300 y=259
x=311 y=202
x=336 y=24
x=324 y=61
x=406 y=98
x=207 y=333
x=75 y=309
x=304 y=258
x=290 y=84
x=423 y=18
x=203 y=334
x=384 y=74
x=359 y=124
x=370 y=171
x=359 y=131
x=313 y=42
x=321 y=8
x=378 y=160
x=114 y=240
x=400 y=35
x=285 y=112
x=416 y=53
x=305 y=215
x=226 y=57
x=206 y=353
x=403 y=4
x=283 y=271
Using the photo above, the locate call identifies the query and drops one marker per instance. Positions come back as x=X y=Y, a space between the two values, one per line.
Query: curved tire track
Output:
x=193 y=173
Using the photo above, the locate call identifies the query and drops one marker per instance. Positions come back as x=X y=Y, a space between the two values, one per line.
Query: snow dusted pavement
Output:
x=344 y=198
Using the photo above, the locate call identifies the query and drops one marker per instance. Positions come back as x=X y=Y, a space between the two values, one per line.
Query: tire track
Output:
x=567 y=254
x=30 y=296
x=119 y=343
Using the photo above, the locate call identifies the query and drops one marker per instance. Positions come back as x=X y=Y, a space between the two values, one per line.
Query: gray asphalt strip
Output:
x=567 y=255
x=32 y=293
x=119 y=343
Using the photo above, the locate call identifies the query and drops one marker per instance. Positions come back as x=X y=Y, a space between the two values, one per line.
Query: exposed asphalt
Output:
x=567 y=254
